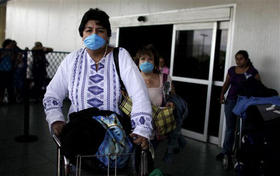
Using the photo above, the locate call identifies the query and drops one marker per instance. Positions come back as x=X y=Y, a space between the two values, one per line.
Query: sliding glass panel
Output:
x=192 y=53
x=220 y=55
x=195 y=95
x=215 y=112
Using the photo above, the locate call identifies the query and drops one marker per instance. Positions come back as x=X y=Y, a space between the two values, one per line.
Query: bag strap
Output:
x=165 y=89
x=116 y=60
x=164 y=79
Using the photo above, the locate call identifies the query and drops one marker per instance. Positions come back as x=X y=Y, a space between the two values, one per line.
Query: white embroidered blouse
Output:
x=78 y=79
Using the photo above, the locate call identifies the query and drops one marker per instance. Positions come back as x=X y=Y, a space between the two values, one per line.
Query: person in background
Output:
x=158 y=84
x=236 y=75
x=162 y=66
x=162 y=94
x=19 y=72
x=39 y=69
x=89 y=79
x=6 y=70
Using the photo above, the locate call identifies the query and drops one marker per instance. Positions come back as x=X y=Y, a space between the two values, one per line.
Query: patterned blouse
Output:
x=78 y=79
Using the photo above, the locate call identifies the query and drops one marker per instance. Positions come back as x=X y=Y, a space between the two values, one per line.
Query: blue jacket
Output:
x=244 y=102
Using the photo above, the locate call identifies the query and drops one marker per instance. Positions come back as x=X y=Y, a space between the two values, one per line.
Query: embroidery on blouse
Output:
x=108 y=83
x=51 y=103
x=78 y=81
x=132 y=124
x=141 y=118
x=96 y=82
x=81 y=51
x=115 y=89
x=83 y=83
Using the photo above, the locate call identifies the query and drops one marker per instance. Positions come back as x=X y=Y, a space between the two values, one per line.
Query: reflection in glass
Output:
x=192 y=53
x=220 y=55
x=215 y=110
x=195 y=95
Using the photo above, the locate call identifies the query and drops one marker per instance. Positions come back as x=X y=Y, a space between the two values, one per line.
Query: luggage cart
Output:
x=250 y=141
x=64 y=165
x=233 y=160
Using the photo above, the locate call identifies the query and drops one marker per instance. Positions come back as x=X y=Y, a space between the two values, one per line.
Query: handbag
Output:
x=163 y=117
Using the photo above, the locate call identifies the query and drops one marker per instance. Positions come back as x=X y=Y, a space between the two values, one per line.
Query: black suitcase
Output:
x=260 y=149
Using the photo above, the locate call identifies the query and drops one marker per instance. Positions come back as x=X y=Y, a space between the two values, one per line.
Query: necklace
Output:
x=97 y=62
x=149 y=80
x=105 y=51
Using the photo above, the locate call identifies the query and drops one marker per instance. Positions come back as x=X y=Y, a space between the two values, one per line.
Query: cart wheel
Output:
x=226 y=162
x=239 y=167
x=65 y=168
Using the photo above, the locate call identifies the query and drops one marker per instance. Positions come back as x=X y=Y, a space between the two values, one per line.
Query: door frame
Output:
x=209 y=82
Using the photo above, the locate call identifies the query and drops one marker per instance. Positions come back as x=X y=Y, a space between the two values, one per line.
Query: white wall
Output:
x=55 y=23
x=257 y=30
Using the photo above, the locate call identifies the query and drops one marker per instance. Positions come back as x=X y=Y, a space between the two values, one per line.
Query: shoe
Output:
x=220 y=156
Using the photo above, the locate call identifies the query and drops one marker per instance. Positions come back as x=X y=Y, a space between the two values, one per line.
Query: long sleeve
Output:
x=141 y=117
x=56 y=92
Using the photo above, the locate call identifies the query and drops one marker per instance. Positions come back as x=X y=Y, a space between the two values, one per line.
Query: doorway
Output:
x=196 y=54
x=133 y=38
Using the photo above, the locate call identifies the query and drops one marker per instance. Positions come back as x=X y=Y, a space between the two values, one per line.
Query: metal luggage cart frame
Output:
x=65 y=171
x=236 y=147
x=237 y=144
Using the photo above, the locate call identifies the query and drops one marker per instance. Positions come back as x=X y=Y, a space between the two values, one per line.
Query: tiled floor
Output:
x=38 y=158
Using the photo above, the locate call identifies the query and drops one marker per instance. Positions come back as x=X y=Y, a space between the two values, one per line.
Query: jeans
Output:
x=230 y=126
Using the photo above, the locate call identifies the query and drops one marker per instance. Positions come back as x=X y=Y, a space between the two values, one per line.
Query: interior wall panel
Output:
x=55 y=23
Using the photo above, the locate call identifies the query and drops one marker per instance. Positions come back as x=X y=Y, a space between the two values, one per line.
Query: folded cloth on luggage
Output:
x=93 y=131
x=116 y=145
x=244 y=102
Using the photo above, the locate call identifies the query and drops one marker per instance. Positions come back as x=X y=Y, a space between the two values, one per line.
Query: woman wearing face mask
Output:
x=88 y=78
x=162 y=94
x=159 y=85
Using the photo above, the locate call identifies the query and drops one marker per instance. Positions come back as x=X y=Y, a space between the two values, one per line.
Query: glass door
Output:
x=197 y=71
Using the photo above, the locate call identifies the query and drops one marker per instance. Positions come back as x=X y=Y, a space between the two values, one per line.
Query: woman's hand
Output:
x=140 y=140
x=222 y=99
x=57 y=127
x=170 y=104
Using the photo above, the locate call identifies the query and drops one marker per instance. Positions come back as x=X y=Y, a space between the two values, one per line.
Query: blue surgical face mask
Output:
x=94 y=42
x=146 y=67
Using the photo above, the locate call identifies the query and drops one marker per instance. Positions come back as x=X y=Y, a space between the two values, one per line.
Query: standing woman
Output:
x=162 y=94
x=158 y=84
x=243 y=70
x=88 y=78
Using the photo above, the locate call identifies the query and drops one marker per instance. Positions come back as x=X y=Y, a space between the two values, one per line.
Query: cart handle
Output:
x=56 y=140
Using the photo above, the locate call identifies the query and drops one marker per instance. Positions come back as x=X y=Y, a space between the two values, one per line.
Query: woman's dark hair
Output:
x=98 y=15
x=245 y=54
x=6 y=43
x=150 y=51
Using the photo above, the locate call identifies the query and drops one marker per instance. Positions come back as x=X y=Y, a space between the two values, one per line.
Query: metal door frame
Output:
x=209 y=82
